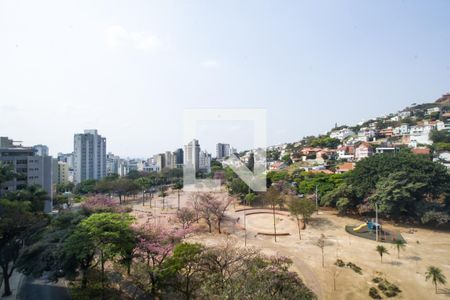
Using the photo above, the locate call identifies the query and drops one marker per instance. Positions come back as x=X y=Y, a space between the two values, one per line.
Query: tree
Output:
x=155 y=244
x=321 y=244
x=143 y=183
x=436 y=276
x=400 y=245
x=163 y=195
x=34 y=194
x=186 y=216
x=212 y=207
x=407 y=185
x=287 y=159
x=122 y=187
x=98 y=204
x=381 y=251
x=109 y=235
x=249 y=198
x=236 y=273
x=185 y=265
x=79 y=252
x=16 y=218
x=272 y=195
x=178 y=186
x=44 y=249
x=6 y=173
x=218 y=207
x=237 y=187
x=301 y=208
x=86 y=187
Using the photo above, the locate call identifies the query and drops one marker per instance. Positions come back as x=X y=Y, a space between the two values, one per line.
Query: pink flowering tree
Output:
x=155 y=244
x=212 y=208
x=99 y=204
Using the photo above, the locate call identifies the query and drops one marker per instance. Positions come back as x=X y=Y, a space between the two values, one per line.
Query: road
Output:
x=40 y=289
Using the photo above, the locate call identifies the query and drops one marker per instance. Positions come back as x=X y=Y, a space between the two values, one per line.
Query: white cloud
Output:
x=210 y=63
x=117 y=36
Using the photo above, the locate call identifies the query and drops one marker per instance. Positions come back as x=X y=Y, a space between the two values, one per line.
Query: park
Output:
x=253 y=227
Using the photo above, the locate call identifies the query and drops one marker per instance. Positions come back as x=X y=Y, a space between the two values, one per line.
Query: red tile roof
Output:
x=421 y=151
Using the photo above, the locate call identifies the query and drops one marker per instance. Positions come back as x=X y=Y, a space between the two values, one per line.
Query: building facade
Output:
x=31 y=169
x=223 y=150
x=89 y=156
x=192 y=155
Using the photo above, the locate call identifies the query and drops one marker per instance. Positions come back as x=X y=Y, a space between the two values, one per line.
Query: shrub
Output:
x=377 y=279
x=340 y=263
x=388 y=289
x=373 y=293
x=354 y=267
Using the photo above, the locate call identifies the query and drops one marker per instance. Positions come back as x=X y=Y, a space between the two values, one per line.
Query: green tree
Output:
x=301 y=209
x=163 y=195
x=436 y=276
x=178 y=187
x=381 y=251
x=16 y=222
x=109 y=234
x=185 y=265
x=85 y=187
x=238 y=188
x=34 y=194
x=399 y=245
x=272 y=195
x=249 y=198
x=144 y=184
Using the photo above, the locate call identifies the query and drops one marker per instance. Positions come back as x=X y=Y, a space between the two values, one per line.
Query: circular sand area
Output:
x=263 y=223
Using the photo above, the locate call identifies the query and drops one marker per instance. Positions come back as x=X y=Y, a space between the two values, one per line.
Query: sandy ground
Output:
x=424 y=248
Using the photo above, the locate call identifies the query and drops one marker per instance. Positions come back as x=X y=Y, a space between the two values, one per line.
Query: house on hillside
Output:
x=366 y=134
x=341 y=134
x=345 y=167
x=404 y=114
x=386 y=132
x=420 y=135
x=421 y=151
x=346 y=153
x=401 y=130
x=440 y=125
x=386 y=149
x=433 y=110
x=364 y=150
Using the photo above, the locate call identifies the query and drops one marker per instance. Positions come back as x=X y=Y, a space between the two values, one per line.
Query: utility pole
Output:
x=317 y=201
x=245 y=228
x=376 y=221
x=245 y=224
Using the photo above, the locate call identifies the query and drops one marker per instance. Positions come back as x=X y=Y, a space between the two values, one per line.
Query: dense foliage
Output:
x=403 y=184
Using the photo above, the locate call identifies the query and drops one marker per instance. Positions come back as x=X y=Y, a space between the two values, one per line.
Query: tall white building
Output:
x=89 y=156
x=205 y=161
x=223 y=150
x=191 y=155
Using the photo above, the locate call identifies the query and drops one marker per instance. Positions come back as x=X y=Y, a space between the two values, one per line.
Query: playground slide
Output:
x=360 y=227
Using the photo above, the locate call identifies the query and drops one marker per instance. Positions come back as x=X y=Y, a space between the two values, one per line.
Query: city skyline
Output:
x=127 y=71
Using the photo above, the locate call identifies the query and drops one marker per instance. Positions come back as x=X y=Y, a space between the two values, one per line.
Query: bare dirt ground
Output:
x=424 y=248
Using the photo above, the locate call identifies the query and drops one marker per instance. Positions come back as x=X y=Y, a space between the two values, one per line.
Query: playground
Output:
x=368 y=230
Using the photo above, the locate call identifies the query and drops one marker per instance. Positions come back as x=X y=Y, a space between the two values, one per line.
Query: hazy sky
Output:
x=130 y=68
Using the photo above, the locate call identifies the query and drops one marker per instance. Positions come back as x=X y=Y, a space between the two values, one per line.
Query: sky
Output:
x=131 y=68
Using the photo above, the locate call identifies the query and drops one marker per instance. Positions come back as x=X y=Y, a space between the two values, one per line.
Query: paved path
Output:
x=39 y=289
